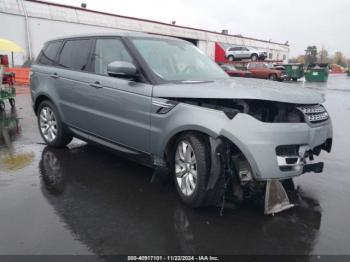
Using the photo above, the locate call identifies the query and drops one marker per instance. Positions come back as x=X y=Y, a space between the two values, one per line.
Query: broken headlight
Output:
x=274 y=112
x=265 y=111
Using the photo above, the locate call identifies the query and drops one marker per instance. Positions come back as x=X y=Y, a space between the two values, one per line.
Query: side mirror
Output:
x=121 y=69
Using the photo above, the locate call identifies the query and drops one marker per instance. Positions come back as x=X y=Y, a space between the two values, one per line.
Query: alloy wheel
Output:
x=48 y=124
x=186 y=168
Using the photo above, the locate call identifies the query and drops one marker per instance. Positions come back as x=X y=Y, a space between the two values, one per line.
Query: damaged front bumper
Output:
x=279 y=150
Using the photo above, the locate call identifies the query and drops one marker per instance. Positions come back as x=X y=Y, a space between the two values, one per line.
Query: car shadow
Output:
x=115 y=206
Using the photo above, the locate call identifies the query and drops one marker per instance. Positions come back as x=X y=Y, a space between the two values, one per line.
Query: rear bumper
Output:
x=259 y=141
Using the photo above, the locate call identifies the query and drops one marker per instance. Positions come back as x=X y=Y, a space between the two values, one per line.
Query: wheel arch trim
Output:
x=212 y=136
x=42 y=96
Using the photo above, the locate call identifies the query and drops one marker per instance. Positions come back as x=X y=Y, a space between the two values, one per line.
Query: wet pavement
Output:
x=84 y=200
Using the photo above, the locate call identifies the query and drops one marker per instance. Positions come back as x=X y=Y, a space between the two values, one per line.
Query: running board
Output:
x=276 y=198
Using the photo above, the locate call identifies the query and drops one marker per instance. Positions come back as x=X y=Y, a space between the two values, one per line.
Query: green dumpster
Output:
x=317 y=73
x=294 y=71
x=348 y=73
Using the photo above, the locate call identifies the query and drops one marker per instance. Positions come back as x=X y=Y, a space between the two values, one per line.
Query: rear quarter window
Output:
x=234 y=49
x=49 y=53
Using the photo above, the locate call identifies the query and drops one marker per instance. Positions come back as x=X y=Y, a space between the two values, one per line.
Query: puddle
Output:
x=13 y=162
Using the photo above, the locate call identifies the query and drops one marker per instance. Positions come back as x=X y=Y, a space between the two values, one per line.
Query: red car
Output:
x=231 y=70
x=266 y=71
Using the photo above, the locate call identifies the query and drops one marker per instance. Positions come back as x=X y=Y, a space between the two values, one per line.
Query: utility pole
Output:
x=28 y=37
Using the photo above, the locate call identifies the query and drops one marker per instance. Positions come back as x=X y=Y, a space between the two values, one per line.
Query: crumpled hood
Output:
x=241 y=88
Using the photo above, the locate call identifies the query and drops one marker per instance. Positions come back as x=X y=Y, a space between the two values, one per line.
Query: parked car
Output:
x=266 y=71
x=231 y=70
x=242 y=52
x=162 y=102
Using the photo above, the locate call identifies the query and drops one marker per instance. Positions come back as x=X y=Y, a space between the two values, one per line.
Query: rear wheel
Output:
x=51 y=128
x=231 y=58
x=295 y=79
x=191 y=163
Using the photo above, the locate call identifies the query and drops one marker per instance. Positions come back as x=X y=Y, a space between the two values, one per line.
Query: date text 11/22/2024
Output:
x=173 y=258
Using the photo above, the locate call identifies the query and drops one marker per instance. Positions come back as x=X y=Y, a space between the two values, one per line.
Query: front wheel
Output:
x=51 y=128
x=273 y=77
x=191 y=163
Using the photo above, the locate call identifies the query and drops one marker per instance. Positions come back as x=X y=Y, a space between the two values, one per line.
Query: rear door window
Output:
x=109 y=50
x=75 y=54
x=49 y=53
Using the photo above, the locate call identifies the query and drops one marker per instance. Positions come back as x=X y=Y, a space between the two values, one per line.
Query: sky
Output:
x=324 y=23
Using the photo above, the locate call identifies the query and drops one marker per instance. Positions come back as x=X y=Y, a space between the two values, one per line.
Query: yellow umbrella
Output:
x=9 y=46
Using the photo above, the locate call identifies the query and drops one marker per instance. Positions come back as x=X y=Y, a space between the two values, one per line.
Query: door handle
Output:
x=54 y=76
x=96 y=84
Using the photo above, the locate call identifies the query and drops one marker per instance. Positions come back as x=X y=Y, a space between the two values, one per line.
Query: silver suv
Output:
x=242 y=52
x=162 y=102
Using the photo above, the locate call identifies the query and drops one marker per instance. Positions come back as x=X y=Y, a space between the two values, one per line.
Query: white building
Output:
x=30 y=23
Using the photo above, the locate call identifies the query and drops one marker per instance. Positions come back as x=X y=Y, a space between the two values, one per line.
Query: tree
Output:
x=339 y=59
x=323 y=56
x=292 y=60
x=311 y=54
x=299 y=59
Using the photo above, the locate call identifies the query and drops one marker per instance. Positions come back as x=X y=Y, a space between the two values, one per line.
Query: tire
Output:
x=190 y=187
x=2 y=106
x=12 y=102
x=273 y=77
x=231 y=58
x=254 y=57
x=295 y=79
x=57 y=134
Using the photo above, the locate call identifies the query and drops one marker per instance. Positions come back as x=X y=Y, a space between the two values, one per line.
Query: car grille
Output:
x=314 y=113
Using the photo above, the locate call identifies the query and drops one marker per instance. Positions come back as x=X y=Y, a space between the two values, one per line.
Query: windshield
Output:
x=175 y=60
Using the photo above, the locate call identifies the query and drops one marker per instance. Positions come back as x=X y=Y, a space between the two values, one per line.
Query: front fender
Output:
x=185 y=117
x=182 y=118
